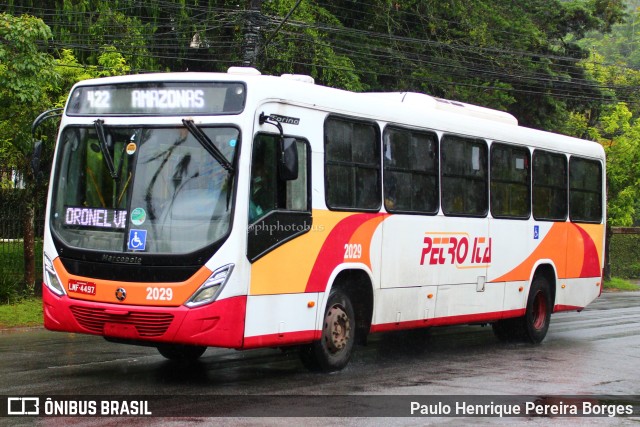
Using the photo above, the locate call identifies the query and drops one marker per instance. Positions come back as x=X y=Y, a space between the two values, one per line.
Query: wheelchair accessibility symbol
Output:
x=137 y=240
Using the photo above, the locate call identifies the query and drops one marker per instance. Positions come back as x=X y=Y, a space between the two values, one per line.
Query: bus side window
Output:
x=510 y=181
x=410 y=160
x=464 y=176
x=585 y=190
x=352 y=164
x=549 y=186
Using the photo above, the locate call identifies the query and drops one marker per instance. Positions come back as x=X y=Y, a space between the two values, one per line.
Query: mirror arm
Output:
x=54 y=112
x=269 y=120
x=36 y=149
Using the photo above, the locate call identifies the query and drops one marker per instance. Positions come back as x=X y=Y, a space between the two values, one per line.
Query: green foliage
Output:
x=22 y=65
x=12 y=288
x=515 y=56
x=26 y=75
x=306 y=49
x=625 y=256
x=617 y=127
x=32 y=81
x=622 y=44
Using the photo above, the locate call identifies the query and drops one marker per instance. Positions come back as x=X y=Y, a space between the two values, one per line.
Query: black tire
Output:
x=538 y=315
x=533 y=326
x=507 y=330
x=333 y=351
x=180 y=352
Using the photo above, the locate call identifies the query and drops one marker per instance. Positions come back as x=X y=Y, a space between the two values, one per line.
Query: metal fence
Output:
x=12 y=213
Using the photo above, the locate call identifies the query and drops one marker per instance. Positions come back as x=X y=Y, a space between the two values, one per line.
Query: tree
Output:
x=514 y=56
x=26 y=77
x=617 y=127
x=32 y=81
x=304 y=47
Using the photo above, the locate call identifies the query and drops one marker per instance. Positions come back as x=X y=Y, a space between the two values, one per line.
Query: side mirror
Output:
x=35 y=159
x=288 y=168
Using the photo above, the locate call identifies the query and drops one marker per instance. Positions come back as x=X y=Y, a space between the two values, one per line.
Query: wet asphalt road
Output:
x=594 y=352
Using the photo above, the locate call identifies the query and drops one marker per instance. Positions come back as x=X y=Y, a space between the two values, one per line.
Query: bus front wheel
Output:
x=333 y=351
x=180 y=352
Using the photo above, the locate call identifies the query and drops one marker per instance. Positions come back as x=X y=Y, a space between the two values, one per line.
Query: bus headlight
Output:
x=51 y=279
x=211 y=288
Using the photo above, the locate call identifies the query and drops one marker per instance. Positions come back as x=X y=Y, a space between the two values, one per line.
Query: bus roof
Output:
x=402 y=108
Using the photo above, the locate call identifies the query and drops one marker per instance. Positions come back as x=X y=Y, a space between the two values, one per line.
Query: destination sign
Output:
x=158 y=98
x=115 y=219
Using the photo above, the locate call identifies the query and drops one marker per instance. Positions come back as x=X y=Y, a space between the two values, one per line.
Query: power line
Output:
x=544 y=72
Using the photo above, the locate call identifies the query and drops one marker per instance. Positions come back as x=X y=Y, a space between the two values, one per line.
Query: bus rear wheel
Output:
x=538 y=314
x=333 y=351
x=181 y=352
x=533 y=326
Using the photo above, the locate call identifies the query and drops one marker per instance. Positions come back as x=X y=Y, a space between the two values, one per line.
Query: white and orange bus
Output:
x=240 y=210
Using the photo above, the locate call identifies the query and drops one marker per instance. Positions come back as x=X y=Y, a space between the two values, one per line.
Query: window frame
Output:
x=435 y=174
x=600 y=188
x=498 y=144
x=377 y=167
x=537 y=152
x=483 y=143
x=279 y=226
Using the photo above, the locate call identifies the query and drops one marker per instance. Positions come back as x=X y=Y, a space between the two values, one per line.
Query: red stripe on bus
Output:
x=448 y=320
x=562 y=307
x=278 y=340
x=332 y=251
x=591 y=260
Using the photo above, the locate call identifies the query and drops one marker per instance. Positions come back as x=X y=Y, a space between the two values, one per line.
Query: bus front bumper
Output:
x=219 y=324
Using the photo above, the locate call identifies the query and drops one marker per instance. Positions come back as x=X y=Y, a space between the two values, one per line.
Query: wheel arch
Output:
x=357 y=284
x=548 y=271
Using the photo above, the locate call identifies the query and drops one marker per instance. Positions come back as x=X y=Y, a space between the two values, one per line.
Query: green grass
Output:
x=27 y=312
x=619 y=284
x=12 y=287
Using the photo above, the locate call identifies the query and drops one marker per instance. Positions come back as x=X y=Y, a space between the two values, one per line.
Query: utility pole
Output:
x=250 y=46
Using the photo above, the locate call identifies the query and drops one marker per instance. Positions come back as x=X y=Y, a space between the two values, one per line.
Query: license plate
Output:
x=80 y=287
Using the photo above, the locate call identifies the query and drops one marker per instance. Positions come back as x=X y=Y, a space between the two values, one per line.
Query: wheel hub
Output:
x=539 y=311
x=337 y=329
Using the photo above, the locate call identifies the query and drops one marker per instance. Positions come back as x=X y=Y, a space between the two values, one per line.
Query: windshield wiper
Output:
x=98 y=124
x=208 y=145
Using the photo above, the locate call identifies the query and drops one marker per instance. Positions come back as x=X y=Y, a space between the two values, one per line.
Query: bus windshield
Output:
x=142 y=189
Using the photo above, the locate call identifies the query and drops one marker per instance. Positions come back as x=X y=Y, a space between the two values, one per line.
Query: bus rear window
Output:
x=585 y=190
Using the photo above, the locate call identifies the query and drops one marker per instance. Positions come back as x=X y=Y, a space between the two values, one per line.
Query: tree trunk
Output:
x=28 y=234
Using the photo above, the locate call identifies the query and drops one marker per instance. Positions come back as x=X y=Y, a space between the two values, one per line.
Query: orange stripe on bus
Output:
x=136 y=291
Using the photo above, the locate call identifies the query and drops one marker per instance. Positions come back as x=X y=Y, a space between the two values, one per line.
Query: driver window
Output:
x=267 y=191
x=262 y=199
